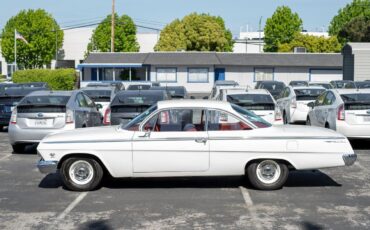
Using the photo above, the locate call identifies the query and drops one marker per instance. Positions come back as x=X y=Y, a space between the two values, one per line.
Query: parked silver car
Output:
x=44 y=112
x=293 y=102
x=345 y=110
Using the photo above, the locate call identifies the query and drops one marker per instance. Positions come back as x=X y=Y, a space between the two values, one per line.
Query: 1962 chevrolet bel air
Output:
x=192 y=138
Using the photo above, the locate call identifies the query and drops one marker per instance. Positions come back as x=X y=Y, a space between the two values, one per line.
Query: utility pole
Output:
x=259 y=34
x=112 y=28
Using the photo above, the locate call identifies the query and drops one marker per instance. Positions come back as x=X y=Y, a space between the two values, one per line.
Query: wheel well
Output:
x=287 y=163
x=83 y=155
x=327 y=125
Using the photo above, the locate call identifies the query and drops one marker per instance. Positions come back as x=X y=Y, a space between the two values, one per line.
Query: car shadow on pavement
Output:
x=96 y=224
x=310 y=178
x=51 y=180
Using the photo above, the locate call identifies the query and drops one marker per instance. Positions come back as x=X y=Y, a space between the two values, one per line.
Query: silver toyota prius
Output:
x=44 y=112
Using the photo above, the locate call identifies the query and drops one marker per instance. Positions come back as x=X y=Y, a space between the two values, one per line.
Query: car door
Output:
x=173 y=141
x=329 y=110
x=81 y=112
x=318 y=110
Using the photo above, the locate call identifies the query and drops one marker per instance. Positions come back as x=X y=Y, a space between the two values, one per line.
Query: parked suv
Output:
x=43 y=112
x=126 y=105
x=260 y=101
x=293 y=102
x=345 y=110
x=9 y=98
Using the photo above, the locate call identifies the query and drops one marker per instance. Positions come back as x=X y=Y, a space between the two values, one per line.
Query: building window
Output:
x=263 y=74
x=198 y=75
x=166 y=75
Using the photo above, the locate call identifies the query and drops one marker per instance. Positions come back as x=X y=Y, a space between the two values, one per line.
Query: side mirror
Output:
x=205 y=98
x=311 y=104
x=99 y=106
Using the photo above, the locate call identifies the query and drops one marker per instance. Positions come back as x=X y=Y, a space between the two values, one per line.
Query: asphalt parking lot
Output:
x=337 y=198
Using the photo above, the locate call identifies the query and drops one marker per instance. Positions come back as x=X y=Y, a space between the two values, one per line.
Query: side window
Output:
x=329 y=99
x=223 y=121
x=320 y=99
x=177 y=120
x=89 y=102
x=81 y=100
x=287 y=92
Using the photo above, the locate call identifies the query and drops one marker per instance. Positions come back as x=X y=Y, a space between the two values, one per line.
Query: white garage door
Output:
x=326 y=75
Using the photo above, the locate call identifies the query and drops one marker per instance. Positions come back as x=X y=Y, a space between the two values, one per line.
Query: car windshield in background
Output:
x=307 y=94
x=134 y=124
x=138 y=87
x=341 y=84
x=325 y=85
x=273 y=86
x=99 y=95
x=363 y=85
x=252 y=101
x=298 y=83
x=175 y=92
x=147 y=99
x=252 y=117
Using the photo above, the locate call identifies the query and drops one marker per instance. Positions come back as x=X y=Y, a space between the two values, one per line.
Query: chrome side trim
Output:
x=195 y=138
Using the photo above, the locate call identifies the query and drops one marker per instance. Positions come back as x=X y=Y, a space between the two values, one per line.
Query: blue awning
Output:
x=109 y=65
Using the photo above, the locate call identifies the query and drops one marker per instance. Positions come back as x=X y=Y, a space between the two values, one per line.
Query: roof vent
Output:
x=299 y=50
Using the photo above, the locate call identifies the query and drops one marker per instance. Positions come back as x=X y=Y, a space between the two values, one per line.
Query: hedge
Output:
x=59 y=79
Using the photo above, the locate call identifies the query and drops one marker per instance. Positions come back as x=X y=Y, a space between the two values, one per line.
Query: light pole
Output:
x=259 y=34
x=112 y=28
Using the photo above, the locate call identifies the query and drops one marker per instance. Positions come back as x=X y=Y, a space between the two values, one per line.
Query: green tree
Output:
x=352 y=10
x=357 y=30
x=42 y=33
x=124 y=36
x=313 y=44
x=280 y=28
x=196 y=32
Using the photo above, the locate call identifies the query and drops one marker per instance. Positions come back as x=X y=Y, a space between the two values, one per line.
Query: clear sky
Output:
x=315 y=14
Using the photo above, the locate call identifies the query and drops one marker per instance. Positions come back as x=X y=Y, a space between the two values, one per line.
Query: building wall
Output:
x=362 y=65
x=241 y=74
x=287 y=74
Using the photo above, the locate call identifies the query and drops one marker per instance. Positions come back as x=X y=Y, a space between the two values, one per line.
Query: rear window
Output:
x=138 y=87
x=298 y=83
x=45 y=100
x=252 y=101
x=363 y=85
x=99 y=95
x=139 y=99
x=356 y=101
x=173 y=91
x=307 y=94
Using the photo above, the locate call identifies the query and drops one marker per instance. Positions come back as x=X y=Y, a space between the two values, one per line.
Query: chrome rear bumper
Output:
x=349 y=159
x=47 y=167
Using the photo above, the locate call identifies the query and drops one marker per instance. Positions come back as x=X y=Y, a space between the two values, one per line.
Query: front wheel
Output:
x=267 y=174
x=81 y=174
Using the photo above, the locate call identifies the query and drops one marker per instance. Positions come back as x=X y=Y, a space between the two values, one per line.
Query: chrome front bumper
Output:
x=47 y=167
x=349 y=159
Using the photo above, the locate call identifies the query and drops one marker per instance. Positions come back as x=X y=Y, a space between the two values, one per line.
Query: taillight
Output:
x=293 y=103
x=13 y=118
x=341 y=114
x=69 y=117
x=107 y=114
x=278 y=116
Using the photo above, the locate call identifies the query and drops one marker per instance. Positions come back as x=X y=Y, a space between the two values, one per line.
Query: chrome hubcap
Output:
x=81 y=172
x=268 y=171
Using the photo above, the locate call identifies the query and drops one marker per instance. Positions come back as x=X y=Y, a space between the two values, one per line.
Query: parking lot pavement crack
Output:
x=250 y=207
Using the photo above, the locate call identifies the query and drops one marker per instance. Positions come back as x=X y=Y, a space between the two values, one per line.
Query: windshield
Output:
x=363 y=85
x=325 y=85
x=134 y=124
x=173 y=91
x=252 y=117
x=99 y=95
x=252 y=101
x=138 y=99
x=307 y=94
x=45 y=100
x=298 y=83
x=272 y=86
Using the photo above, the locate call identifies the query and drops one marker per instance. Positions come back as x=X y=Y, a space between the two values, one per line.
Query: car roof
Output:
x=54 y=93
x=140 y=92
x=92 y=88
x=352 y=91
x=194 y=103
x=225 y=82
x=13 y=91
x=319 y=82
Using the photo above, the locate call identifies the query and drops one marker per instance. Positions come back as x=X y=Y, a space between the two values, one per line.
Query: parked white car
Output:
x=192 y=138
x=215 y=92
x=293 y=102
x=259 y=101
x=345 y=110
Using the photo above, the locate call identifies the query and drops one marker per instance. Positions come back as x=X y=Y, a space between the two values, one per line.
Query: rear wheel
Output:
x=81 y=174
x=308 y=121
x=267 y=174
x=327 y=125
x=285 y=118
x=18 y=148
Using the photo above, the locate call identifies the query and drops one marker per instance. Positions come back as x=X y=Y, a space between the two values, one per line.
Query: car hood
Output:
x=90 y=134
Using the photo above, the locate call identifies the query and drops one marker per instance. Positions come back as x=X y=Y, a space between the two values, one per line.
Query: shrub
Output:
x=59 y=79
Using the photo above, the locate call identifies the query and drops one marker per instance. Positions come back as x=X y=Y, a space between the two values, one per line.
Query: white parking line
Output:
x=72 y=205
x=249 y=205
x=5 y=157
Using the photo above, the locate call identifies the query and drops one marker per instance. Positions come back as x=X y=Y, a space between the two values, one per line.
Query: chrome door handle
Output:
x=201 y=140
x=146 y=134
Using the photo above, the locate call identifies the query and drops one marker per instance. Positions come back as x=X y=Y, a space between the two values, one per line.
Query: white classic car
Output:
x=192 y=138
